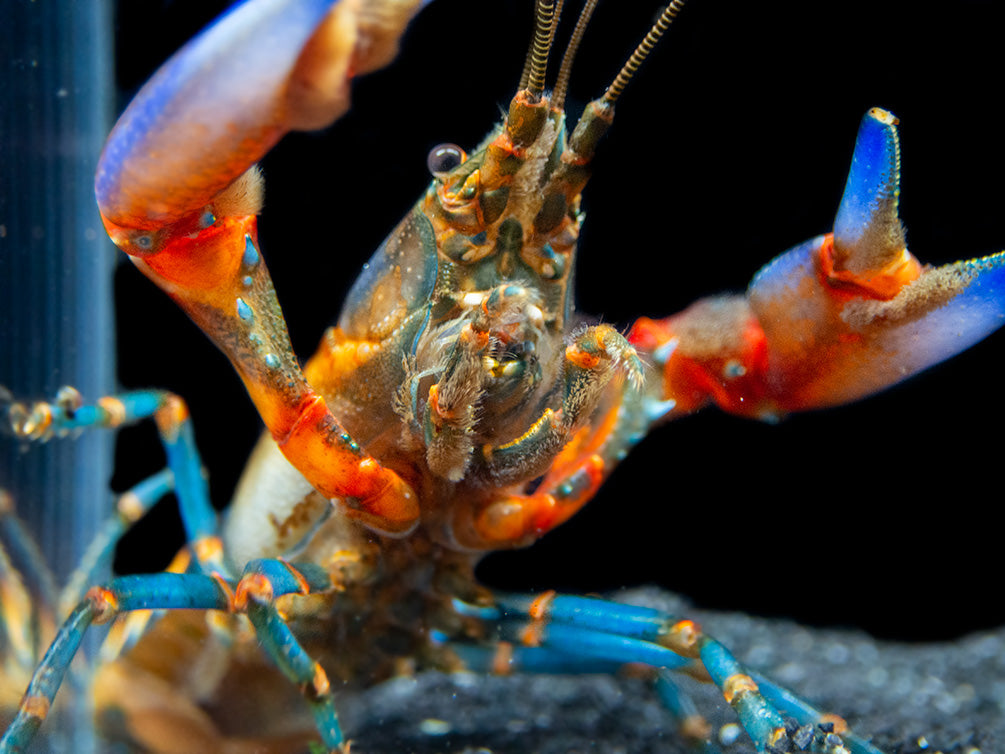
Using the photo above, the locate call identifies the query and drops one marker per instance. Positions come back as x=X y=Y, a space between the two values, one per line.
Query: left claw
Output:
x=221 y=102
x=178 y=192
x=834 y=319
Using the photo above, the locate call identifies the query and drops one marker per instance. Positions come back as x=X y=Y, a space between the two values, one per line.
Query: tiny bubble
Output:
x=729 y=733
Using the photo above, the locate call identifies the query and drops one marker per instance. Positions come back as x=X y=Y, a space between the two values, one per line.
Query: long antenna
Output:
x=535 y=65
x=642 y=52
x=562 y=83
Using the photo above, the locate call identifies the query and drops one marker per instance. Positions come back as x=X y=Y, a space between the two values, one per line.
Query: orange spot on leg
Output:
x=682 y=638
x=208 y=549
x=539 y=607
x=104 y=603
x=502 y=660
x=737 y=684
x=115 y=412
x=253 y=586
x=839 y=723
x=696 y=728
x=319 y=683
x=36 y=706
x=171 y=416
x=534 y=631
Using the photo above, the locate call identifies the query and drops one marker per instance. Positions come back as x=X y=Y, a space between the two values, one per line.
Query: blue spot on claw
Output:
x=251 y=256
x=244 y=311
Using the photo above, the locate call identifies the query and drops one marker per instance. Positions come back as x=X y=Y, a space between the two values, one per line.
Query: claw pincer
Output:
x=836 y=318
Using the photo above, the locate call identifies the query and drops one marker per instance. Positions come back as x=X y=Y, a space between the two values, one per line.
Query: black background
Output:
x=731 y=146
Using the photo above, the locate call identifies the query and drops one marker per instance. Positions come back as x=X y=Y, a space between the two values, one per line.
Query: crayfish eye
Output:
x=443 y=158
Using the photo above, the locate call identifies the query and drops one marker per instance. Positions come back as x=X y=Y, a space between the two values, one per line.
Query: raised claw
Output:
x=220 y=103
x=836 y=318
x=178 y=192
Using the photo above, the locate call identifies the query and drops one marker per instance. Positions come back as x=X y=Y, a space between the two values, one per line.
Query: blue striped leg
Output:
x=67 y=414
x=29 y=607
x=263 y=581
x=167 y=590
x=26 y=570
x=690 y=722
x=131 y=506
x=774 y=718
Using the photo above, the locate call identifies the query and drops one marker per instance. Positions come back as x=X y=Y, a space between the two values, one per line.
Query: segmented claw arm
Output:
x=178 y=192
x=836 y=318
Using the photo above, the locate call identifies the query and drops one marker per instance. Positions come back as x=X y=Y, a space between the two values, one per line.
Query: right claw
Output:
x=834 y=319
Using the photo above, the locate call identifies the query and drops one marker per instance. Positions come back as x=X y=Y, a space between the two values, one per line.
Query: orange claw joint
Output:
x=834 y=319
x=178 y=192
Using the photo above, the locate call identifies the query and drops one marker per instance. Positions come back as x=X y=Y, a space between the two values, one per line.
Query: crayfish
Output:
x=460 y=404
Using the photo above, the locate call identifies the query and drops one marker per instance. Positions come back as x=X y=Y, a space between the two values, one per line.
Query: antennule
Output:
x=565 y=71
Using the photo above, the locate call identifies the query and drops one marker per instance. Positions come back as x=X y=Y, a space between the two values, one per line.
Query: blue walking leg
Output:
x=808 y=715
x=262 y=582
x=162 y=590
x=254 y=594
x=67 y=414
x=772 y=716
x=131 y=506
x=691 y=724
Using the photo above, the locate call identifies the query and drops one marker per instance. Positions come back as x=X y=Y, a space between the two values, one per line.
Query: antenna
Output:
x=562 y=83
x=535 y=65
x=642 y=52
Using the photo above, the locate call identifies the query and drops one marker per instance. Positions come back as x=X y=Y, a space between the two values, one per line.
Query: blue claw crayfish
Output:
x=463 y=402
